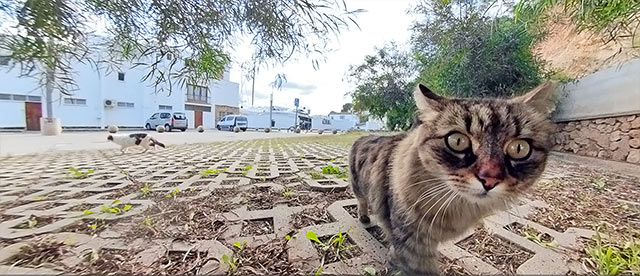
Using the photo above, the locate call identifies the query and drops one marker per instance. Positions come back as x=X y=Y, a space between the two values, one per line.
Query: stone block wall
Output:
x=615 y=138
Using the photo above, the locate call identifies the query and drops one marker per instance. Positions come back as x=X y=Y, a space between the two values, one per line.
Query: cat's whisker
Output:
x=429 y=193
x=431 y=180
x=429 y=210
x=444 y=213
x=445 y=203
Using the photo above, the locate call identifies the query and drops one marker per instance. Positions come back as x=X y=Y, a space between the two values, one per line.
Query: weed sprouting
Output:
x=78 y=174
x=209 y=173
x=146 y=189
x=316 y=175
x=173 y=193
x=246 y=169
x=147 y=221
x=612 y=259
x=336 y=171
x=231 y=262
x=599 y=183
x=369 y=271
x=116 y=207
x=288 y=192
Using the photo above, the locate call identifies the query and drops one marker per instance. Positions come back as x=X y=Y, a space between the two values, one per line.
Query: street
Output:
x=33 y=143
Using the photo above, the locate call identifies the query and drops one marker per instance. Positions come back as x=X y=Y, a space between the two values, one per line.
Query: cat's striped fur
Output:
x=425 y=193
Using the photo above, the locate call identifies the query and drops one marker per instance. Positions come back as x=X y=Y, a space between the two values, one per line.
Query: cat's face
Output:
x=486 y=150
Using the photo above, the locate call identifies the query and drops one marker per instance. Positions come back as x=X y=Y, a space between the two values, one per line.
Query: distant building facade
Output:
x=258 y=117
x=118 y=98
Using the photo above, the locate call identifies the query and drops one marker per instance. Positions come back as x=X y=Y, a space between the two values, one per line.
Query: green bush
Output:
x=474 y=55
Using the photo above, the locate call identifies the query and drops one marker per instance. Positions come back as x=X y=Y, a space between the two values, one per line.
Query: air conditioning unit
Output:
x=109 y=103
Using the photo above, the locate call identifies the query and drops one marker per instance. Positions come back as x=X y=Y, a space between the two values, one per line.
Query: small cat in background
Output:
x=462 y=160
x=135 y=139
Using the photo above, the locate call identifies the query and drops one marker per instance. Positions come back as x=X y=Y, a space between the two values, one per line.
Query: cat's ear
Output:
x=425 y=98
x=541 y=98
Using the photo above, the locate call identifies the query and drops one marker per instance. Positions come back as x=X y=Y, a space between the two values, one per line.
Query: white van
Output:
x=230 y=121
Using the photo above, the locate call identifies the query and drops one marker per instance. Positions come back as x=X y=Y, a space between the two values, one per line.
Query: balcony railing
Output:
x=202 y=99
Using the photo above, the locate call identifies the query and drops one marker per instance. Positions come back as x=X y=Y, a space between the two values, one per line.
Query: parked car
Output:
x=177 y=120
x=230 y=121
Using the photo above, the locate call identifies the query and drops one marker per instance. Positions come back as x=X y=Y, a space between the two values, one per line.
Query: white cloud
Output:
x=324 y=90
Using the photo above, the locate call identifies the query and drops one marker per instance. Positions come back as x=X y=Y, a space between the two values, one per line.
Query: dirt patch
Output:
x=269 y=258
x=257 y=227
x=187 y=219
x=451 y=267
x=503 y=254
x=109 y=261
x=530 y=233
x=310 y=216
x=586 y=198
x=38 y=252
x=180 y=263
x=352 y=210
x=378 y=234
x=580 y=53
x=261 y=198
x=87 y=226
x=36 y=222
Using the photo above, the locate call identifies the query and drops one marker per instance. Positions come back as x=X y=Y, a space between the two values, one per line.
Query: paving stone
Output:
x=38 y=186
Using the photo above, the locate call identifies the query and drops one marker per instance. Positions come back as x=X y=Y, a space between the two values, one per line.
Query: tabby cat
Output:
x=462 y=160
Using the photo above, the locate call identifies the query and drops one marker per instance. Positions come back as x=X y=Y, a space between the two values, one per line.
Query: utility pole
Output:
x=253 y=83
x=271 y=110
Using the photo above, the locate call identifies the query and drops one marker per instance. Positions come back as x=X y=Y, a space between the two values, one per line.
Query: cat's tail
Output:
x=155 y=142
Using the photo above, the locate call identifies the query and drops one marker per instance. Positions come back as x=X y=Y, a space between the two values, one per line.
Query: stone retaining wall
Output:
x=615 y=138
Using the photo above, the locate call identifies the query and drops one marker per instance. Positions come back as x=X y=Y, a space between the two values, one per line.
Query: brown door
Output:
x=198 y=119
x=33 y=112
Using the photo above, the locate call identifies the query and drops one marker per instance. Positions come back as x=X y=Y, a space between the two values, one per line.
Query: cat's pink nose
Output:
x=490 y=174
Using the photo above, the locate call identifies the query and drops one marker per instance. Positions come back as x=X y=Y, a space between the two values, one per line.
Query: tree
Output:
x=615 y=19
x=464 y=52
x=347 y=108
x=195 y=34
x=384 y=86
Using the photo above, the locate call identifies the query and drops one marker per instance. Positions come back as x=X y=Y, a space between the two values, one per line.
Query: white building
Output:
x=258 y=117
x=283 y=118
x=118 y=98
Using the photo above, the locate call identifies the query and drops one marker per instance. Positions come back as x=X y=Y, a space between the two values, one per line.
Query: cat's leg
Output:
x=145 y=146
x=413 y=259
x=123 y=150
x=363 y=210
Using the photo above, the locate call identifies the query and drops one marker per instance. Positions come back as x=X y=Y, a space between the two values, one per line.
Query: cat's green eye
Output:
x=518 y=149
x=458 y=142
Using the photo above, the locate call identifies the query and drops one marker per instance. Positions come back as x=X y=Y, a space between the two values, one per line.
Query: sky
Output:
x=323 y=90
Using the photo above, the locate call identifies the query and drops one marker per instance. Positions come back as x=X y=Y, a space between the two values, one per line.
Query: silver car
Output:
x=230 y=121
x=177 y=120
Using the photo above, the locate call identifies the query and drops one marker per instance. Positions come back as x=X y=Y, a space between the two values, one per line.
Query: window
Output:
x=34 y=98
x=120 y=76
x=126 y=104
x=4 y=60
x=326 y=122
x=5 y=97
x=179 y=116
x=75 y=101
x=165 y=115
x=165 y=107
x=19 y=97
x=197 y=94
x=154 y=116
